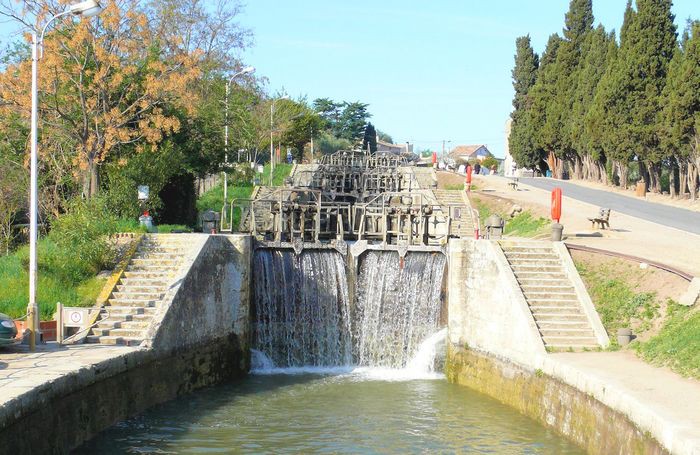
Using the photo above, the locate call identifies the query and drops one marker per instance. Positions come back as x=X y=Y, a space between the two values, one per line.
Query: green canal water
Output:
x=370 y=411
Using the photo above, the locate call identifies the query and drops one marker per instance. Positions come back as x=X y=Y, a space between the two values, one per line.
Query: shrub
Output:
x=79 y=247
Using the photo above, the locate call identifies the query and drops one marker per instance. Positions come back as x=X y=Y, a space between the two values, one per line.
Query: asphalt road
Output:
x=685 y=220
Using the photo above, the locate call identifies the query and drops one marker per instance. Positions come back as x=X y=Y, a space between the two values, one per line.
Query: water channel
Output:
x=366 y=411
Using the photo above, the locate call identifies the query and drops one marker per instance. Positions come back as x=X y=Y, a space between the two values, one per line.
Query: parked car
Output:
x=8 y=331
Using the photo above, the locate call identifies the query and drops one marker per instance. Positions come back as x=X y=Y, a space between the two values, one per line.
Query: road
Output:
x=685 y=220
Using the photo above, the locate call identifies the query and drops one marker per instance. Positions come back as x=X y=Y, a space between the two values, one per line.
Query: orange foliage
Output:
x=104 y=83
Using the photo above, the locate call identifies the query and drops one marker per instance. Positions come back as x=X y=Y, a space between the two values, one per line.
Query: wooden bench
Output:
x=513 y=183
x=602 y=220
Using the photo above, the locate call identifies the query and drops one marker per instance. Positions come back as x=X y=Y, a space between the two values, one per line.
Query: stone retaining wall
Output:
x=576 y=415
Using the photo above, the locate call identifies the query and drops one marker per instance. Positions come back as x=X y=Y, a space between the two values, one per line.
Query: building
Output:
x=510 y=167
x=398 y=149
x=465 y=153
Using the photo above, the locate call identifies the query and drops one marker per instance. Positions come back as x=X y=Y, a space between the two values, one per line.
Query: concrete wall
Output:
x=201 y=338
x=212 y=300
x=487 y=310
x=571 y=411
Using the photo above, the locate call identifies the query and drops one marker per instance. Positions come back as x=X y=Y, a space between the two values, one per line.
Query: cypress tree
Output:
x=370 y=138
x=578 y=25
x=647 y=48
x=680 y=117
x=591 y=69
x=544 y=118
x=522 y=144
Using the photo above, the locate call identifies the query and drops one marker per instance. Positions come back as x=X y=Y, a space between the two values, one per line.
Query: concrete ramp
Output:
x=555 y=295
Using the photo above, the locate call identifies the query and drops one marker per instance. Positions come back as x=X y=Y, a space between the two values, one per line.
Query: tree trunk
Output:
x=622 y=173
x=673 y=178
x=91 y=180
x=644 y=174
x=693 y=171
x=555 y=165
x=578 y=168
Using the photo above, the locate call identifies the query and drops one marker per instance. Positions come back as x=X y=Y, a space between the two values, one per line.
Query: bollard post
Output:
x=59 y=322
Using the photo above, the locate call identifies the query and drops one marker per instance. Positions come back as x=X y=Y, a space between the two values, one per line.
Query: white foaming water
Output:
x=421 y=366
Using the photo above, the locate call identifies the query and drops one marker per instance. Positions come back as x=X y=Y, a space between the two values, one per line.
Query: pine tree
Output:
x=522 y=144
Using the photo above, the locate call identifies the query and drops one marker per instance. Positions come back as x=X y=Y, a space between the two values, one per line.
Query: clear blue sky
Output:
x=429 y=70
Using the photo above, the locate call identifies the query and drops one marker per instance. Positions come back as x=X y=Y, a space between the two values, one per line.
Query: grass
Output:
x=678 y=343
x=52 y=288
x=523 y=224
x=617 y=304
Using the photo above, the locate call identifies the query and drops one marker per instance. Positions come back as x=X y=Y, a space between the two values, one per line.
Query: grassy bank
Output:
x=524 y=224
x=668 y=334
x=52 y=287
x=678 y=343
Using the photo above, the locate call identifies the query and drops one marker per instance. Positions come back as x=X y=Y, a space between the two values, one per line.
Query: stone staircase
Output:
x=135 y=299
x=456 y=202
x=550 y=295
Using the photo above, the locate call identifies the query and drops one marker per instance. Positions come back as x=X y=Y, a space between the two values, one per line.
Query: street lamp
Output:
x=87 y=8
x=272 y=147
x=246 y=70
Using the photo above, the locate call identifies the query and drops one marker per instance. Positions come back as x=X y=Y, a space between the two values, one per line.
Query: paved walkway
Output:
x=685 y=220
x=21 y=370
x=659 y=400
x=628 y=234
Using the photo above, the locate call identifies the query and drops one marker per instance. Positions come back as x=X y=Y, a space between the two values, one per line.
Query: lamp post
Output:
x=272 y=145
x=87 y=8
x=246 y=70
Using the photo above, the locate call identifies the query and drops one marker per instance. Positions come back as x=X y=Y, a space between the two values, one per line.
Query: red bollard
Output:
x=556 y=204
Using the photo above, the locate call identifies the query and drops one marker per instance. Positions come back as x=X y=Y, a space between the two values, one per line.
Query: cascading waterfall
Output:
x=397 y=307
x=302 y=314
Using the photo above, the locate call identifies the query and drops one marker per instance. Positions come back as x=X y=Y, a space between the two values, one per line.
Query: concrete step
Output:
x=544 y=282
x=155 y=261
x=533 y=261
x=133 y=302
x=130 y=288
x=147 y=254
x=114 y=340
x=124 y=333
x=524 y=254
x=567 y=332
x=555 y=324
x=569 y=341
x=553 y=302
x=563 y=286
x=150 y=296
x=551 y=317
x=535 y=268
x=546 y=309
x=143 y=282
x=158 y=274
x=152 y=268
x=553 y=295
x=119 y=311
x=116 y=323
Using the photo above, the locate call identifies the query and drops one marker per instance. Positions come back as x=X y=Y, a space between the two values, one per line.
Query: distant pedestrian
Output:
x=477 y=168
